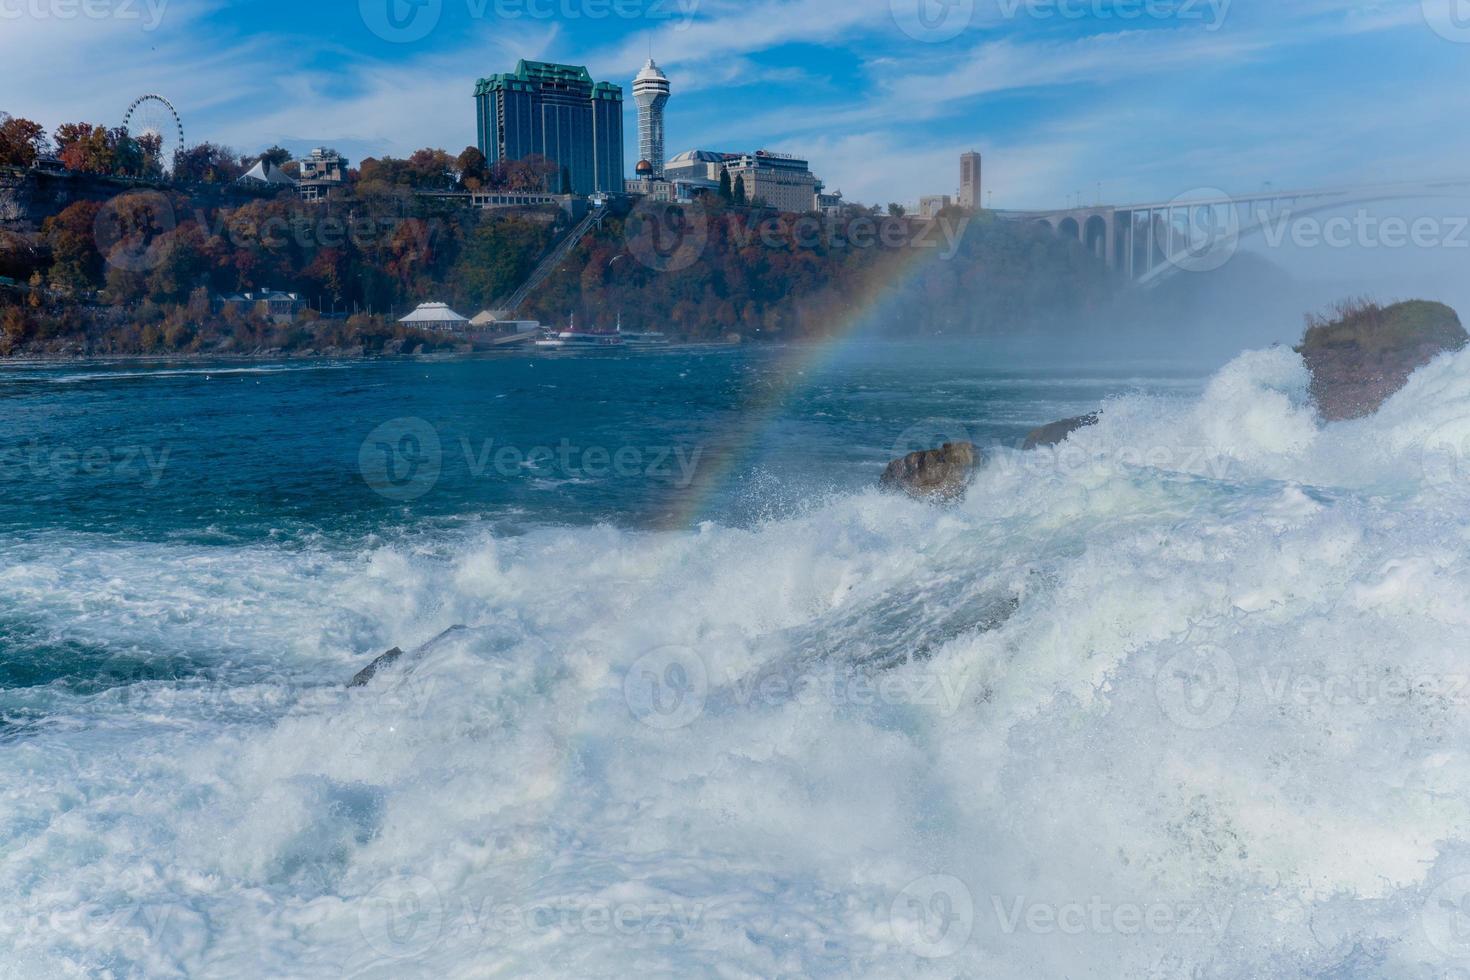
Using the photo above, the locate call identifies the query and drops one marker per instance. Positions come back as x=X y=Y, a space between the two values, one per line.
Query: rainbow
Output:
x=689 y=505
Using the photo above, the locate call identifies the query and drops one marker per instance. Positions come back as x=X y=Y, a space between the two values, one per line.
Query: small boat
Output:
x=574 y=339
x=641 y=338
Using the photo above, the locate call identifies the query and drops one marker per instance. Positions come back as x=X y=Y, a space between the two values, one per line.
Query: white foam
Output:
x=1222 y=733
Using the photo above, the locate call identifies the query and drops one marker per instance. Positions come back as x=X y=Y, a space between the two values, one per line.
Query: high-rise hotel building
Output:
x=651 y=92
x=558 y=112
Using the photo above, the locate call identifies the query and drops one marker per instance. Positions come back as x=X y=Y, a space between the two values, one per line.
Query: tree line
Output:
x=143 y=272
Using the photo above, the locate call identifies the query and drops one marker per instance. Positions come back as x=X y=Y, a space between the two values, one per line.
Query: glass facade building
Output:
x=558 y=112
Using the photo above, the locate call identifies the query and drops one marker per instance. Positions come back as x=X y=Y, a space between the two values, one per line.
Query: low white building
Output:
x=492 y=320
x=435 y=316
x=930 y=205
x=685 y=190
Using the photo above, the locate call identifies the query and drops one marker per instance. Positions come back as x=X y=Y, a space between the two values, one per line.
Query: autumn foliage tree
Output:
x=207 y=163
x=532 y=175
x=21 y=141
x=91 y=149
x=77 y=264
x=474 y=170
x=426 y=170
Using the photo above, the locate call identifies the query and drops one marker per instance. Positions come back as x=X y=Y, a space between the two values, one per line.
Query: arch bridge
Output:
x=1150 y=243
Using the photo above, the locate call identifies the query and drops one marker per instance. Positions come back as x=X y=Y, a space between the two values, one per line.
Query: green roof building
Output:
x=560 y=113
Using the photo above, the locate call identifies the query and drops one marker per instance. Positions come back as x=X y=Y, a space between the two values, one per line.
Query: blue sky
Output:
x=1129 y=100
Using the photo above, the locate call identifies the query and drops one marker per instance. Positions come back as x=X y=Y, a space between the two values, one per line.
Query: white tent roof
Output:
x=266 y=173
x=433 y=313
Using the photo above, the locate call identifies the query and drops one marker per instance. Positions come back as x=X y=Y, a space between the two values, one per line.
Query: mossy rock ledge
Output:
x=1359 y=359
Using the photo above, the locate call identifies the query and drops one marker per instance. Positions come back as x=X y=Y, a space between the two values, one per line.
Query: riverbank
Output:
x=216 y=357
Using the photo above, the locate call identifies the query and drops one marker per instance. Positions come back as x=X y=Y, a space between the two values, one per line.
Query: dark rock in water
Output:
x=1362 y=357
x=370 y=671
x=365 y=676
x=1050 y=435
x=934 y=474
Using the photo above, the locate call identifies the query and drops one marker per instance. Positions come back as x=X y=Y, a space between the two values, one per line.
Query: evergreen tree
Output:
x=277 y=156
x=740 y=197
x=726 y=194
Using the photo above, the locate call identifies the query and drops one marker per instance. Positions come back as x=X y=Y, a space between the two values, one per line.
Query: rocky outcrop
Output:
x=29 y=197
x=934 y=474
x=1366 y=353
x=16 y=196
x=1056 y=432
x=365 y=675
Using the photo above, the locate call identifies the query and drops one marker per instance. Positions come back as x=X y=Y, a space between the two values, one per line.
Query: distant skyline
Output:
x=880 y=99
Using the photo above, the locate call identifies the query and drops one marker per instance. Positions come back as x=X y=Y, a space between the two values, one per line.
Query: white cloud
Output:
x=1148 y=112
x=722 y=30
x=246 y=93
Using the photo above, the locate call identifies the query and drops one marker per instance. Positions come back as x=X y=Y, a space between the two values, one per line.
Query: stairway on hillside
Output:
x=506 y=310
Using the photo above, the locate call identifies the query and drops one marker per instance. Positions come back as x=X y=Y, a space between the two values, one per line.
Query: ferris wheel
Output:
x=153 y=115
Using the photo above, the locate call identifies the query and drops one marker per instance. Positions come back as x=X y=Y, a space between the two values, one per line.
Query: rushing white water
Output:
x=1189 y=697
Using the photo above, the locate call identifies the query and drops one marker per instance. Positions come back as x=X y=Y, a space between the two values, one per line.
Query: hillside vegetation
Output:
x=139 y=273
